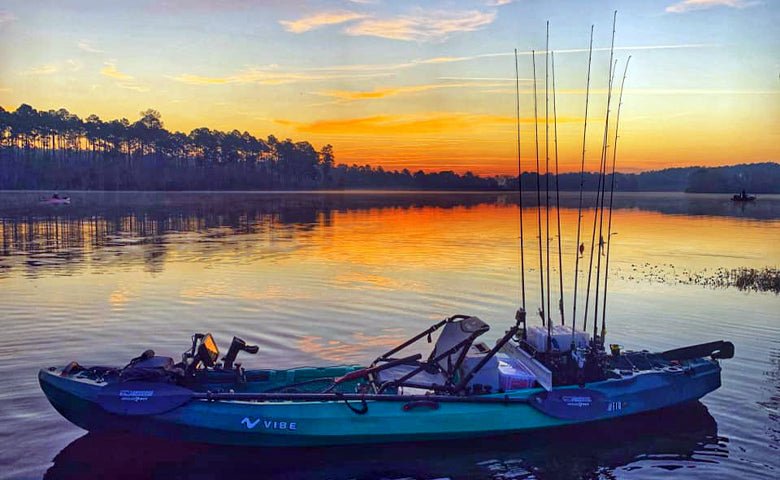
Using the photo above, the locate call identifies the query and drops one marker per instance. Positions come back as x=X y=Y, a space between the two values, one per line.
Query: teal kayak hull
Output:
x=324 y=423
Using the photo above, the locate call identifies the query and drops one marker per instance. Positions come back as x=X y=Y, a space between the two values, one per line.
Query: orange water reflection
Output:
x=249 y=262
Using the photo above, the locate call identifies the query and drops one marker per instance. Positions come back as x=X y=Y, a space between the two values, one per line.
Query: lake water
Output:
x=341 y=277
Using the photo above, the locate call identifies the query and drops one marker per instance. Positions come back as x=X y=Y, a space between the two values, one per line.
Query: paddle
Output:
x=144 y=398
x=364 y=372
x=718 y=350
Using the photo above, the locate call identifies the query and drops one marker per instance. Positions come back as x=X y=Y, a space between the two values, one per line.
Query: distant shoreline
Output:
x=48 y=192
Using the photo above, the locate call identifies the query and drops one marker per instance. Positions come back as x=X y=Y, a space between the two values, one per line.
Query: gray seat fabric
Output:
x=452 y=334
x=421 y=379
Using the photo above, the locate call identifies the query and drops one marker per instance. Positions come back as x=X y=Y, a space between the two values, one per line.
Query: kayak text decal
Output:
x=577 y=401
x=269 y=424
x=135 y=395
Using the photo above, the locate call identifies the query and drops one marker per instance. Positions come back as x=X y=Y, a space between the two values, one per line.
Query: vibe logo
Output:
x=250 y=424
x=269 y=424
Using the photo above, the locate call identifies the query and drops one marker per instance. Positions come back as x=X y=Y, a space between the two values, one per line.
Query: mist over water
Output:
x=327 y=278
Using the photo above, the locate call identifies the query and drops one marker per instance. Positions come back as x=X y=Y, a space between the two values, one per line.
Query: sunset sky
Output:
x=412 y=84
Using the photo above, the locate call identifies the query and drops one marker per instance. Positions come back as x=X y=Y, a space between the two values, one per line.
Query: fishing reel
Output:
x=236 y=346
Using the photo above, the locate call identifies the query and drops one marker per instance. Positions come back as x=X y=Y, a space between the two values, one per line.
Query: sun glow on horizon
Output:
x=407 y=86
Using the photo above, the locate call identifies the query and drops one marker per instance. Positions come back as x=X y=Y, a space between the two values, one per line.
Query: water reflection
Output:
x=683 y=440
x=772 y=404
x=106 y=231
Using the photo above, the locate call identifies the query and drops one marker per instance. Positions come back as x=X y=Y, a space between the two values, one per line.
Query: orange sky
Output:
x=407 y=85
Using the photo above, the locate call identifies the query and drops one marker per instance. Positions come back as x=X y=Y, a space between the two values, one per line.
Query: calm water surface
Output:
x=339 y=278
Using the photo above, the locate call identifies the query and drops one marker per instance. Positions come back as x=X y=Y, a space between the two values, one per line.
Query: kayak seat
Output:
x=420 y=379
x=439 y=370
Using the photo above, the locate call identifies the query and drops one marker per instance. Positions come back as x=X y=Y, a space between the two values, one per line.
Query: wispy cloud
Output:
x=109 y=70
x=268 y=76
x=124 y=80
x=69 y=65
x=422 y=25
x=351 y=95
x=690 y=5
x=6 y=17
x=320 y=20
x=49 y=69
x=73 y=65
x=497 y=3
x=87 y=47
x=426 y=123
x=377 y=67
x=132 y=86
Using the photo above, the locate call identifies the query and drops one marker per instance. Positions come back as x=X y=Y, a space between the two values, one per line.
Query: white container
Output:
x=487 y=375
x=560 y=337
x=512 y=375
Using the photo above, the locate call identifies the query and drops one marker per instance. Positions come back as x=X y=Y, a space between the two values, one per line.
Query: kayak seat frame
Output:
x=439 y=372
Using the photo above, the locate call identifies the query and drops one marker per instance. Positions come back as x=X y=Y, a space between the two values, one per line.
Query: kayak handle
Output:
x=421 y=404
x=362 y=410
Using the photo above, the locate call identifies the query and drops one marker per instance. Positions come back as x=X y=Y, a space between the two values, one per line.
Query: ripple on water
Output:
x=319 y=279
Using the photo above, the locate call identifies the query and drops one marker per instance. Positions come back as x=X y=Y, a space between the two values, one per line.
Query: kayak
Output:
x=743 y=198
x=201 y=400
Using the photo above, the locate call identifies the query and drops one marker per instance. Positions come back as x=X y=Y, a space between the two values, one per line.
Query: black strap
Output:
x=360 y=411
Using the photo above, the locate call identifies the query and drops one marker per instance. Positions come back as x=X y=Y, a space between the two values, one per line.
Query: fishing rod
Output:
x=547 y=174
x=600 y=207
x=604 y=154
x=611 y=195
x=582 y=186
x=599 y=186
x=538 y=193
x=557 y=194
x=520 y=184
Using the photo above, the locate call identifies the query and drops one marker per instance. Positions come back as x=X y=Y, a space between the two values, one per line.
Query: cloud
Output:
x=426 y=123
x=276 y=75
x=42 y=70
x=110 y=70
x=268 y=76
x=87 y=47
x=422 y=25
x=350 y=95
x=73 y=65
x=6 y=17
x=376 y=67
x=125 y=80
x=691 y=5
x=320 y=20
x=132 y=86
x=497 y=3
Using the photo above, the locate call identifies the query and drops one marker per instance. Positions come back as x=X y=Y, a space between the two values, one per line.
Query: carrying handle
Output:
x=421 y=404
x=362 y=410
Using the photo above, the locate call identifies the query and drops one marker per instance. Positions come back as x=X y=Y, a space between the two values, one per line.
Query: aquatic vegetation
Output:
x=763 y=280
x=766 y=279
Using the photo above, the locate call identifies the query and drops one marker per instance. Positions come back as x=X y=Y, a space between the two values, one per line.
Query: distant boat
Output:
x=56 y=199
x=743 y=197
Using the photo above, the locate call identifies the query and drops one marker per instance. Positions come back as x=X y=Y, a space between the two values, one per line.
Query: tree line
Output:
x=57 y=150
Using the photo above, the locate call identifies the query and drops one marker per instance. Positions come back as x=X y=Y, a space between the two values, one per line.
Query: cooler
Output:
x=512 y=375
x=561 y=338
